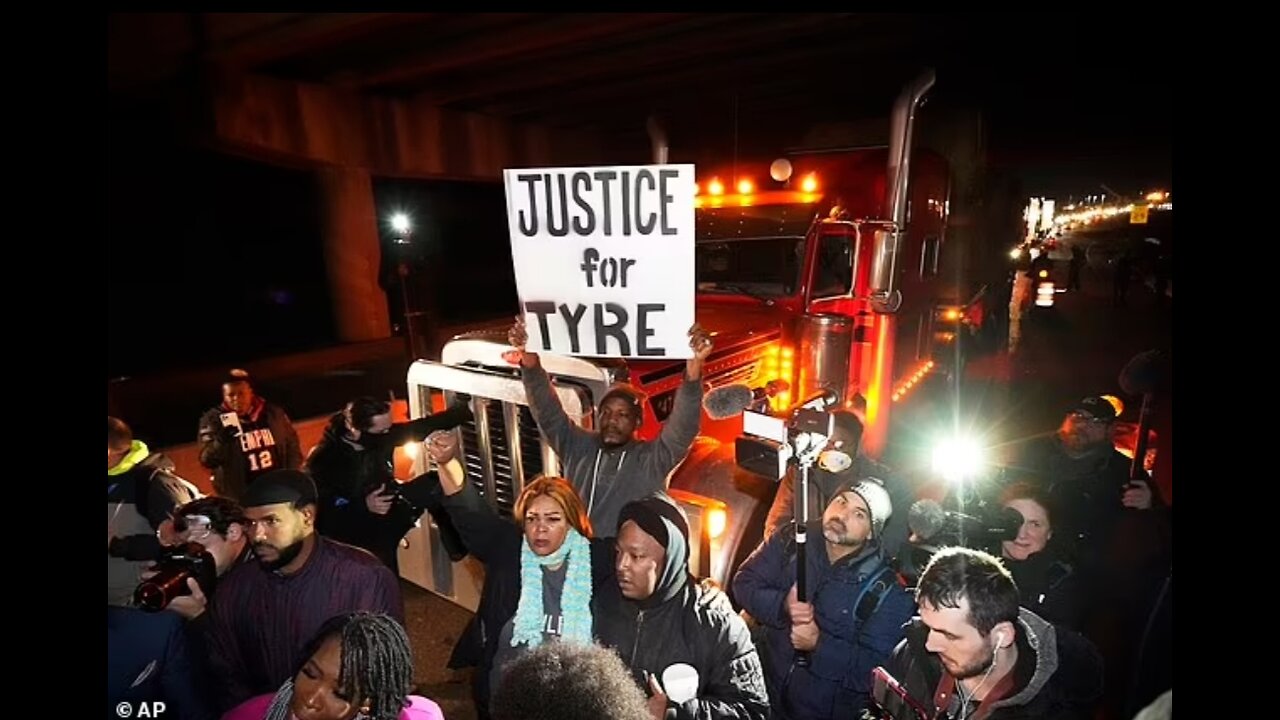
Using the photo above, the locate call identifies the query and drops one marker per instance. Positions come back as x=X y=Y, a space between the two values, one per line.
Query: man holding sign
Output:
x=610 y=467
x=604 y=264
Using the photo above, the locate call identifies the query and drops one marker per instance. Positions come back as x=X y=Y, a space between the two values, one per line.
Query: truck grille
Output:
x=500 y=473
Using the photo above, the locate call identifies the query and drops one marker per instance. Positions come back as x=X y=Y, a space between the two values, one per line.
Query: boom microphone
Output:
x=926 y=518
x=727 y=401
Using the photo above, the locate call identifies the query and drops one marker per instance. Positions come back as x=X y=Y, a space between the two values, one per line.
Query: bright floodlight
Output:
x=400 y=223
x=957 y=459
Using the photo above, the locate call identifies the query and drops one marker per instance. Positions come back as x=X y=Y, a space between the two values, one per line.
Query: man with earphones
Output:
x=610 y=466
x=972 y=653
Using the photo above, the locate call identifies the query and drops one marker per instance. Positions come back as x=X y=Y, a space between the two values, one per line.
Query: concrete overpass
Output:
x=358 y=95
x=354 y=96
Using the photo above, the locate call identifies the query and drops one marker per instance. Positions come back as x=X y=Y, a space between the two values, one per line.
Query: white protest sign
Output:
x=603 y=257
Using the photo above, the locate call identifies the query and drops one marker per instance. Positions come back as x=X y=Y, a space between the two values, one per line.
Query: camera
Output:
x=175 y=565
x=769 y=443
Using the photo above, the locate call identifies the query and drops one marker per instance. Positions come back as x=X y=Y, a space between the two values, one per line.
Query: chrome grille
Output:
x=495 y=472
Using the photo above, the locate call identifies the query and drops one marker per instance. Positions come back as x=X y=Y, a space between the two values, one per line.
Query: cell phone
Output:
x=892 y=699
x=231 y=420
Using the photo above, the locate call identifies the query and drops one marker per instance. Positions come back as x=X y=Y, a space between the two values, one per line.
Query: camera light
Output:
x=957 y=459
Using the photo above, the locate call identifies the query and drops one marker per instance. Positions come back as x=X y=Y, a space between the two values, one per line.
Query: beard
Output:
x=1077 y=442
x=284 y=555
x=837 y=533
x=974 y=670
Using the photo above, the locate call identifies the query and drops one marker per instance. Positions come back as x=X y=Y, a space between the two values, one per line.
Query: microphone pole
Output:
x=802 y=537
x=1138 y=468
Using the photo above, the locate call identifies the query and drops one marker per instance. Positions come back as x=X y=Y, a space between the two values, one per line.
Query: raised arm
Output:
x=561 y=433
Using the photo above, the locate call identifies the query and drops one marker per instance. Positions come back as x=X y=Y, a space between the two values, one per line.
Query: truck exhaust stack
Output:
x=884 y=292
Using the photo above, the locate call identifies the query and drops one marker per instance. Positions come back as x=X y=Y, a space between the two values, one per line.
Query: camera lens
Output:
x=155 y=594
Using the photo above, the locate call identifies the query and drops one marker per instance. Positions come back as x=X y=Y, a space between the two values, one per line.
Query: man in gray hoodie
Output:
x=610 y=467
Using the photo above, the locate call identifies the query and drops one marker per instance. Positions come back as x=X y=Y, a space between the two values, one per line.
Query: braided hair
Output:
x=377 y=665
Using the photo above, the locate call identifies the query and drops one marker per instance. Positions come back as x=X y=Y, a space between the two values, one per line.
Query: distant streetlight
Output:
x=400 y=223
x=403 y=235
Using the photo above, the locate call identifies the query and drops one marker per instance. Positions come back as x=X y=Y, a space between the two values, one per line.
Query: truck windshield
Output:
x=760 y=267
x=755 y=250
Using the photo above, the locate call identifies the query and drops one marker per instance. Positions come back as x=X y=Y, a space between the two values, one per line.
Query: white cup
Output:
x=681 y=682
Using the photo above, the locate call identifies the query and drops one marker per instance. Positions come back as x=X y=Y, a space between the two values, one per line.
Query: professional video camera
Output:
x=982 y=528
x=176 y=564
x=769 y=443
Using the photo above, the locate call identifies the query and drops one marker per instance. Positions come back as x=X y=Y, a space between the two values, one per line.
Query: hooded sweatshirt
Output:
x=141 y=492
x=1058 y=675
x=609 y=477
x=682 y=623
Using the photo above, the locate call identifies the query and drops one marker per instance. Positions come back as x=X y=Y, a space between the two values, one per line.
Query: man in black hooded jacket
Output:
x=683 y=642
x=361 y=502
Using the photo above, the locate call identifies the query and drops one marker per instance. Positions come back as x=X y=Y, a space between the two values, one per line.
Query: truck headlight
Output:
x=717 y=521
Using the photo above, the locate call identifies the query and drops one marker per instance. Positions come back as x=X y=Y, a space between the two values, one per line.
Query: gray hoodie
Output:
x=608 y=478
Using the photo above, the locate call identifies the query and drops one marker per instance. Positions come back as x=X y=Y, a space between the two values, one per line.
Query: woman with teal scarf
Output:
x=540 y=571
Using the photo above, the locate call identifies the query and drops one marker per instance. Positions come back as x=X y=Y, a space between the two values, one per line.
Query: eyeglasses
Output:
x=1086 y=418
x=193 y=528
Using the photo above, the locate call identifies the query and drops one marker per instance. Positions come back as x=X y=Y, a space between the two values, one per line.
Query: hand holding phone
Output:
x=231 y=423
x=893 y=699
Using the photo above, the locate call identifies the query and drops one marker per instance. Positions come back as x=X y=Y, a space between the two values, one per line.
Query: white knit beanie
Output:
x=872 y=492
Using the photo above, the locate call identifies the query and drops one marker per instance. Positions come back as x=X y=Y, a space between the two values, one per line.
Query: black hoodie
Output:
x=683 y=622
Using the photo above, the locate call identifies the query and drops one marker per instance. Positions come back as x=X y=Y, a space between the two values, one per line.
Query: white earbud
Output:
x=999 y=640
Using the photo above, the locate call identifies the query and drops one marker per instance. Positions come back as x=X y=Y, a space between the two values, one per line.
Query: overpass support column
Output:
x=352 y=254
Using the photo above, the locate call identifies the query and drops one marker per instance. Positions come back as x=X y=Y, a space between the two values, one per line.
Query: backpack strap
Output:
x=871 y=594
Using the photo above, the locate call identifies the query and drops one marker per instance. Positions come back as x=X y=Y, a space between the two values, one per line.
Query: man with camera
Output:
x=211 y=540
x=174 y=582
x=973 y=653
x=853 y=616
x=361 y=502
x=141 y=491
x=267 y=611
x=609 y=467
x=839 y=464
x=1084 y=473
x=245 y=437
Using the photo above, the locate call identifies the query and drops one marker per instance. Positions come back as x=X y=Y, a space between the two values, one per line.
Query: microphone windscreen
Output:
x=925 y=518
x=729 y=400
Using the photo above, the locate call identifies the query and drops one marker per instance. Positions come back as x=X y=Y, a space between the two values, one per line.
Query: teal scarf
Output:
x=575 y=603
